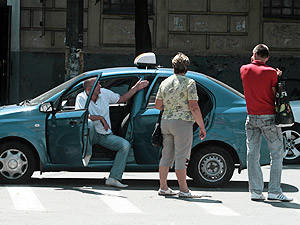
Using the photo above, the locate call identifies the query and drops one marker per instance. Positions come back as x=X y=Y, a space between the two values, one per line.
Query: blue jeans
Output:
x=121 y=146
x=257 y=125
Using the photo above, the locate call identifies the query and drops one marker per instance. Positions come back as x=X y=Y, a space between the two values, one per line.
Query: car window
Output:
x=119 y=85
x=150 y=78
x=204 y=101
x=226 y=86
x=119 y=113
x=151 y=101
x=68 y=102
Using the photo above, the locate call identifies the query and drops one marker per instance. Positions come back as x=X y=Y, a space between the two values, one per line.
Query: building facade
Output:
x=218 y=35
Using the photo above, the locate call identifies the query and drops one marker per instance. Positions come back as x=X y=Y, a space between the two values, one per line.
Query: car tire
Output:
x=291 y=139
x=17 y=163
x=211 y=166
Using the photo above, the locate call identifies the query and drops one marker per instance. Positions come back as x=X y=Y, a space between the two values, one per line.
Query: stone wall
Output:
x=218 y=35
x=202 y=26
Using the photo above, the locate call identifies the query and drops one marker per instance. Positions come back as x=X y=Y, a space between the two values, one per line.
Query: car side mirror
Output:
x=47 y=107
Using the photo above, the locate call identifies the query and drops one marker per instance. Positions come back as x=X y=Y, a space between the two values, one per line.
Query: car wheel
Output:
x=211 y=166
x=17 y=163
x=291 y=139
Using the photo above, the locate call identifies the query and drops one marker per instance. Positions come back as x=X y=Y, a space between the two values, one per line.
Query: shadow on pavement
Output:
x=291 y=166
x=97 y=187
x=145 y=184
x=203 y=200
x=287 y=205
x=242 y=186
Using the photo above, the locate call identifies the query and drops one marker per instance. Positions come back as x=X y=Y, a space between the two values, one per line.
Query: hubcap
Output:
x=291 y=144
x=212 y=167
x=13 y=164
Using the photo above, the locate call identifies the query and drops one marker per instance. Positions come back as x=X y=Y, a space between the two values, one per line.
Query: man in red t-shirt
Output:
x=259 y=82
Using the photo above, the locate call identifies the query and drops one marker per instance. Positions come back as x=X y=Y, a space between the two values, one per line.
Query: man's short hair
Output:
x=88 y=83
x=180 y=63
x=261 y=50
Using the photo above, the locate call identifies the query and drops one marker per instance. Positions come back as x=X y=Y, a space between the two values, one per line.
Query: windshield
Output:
x=43 y=97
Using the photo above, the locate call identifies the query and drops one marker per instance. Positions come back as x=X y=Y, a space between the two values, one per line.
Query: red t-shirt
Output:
x=258 y=80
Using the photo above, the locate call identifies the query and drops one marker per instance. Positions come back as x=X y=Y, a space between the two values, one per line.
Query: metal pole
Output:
x=74 y=38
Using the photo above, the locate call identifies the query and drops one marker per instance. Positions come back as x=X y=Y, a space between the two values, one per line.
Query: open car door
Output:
x=67 y=132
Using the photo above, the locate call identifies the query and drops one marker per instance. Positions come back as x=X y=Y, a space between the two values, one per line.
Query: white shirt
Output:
x=99 y=108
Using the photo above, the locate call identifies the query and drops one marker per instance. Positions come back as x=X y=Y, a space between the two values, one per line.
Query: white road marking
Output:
x=117 y=202
x=24 y=198
x=217 y=209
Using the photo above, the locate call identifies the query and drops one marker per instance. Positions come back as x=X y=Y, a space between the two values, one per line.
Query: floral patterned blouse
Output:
x=175 y=91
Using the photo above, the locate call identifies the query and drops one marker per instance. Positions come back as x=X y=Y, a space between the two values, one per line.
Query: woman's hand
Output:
x=202 y=133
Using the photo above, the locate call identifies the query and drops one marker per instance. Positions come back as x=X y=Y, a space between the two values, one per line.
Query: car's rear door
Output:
x=145 y=120
x=143 y=125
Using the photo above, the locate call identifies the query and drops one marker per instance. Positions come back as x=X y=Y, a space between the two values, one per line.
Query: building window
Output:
x=123 y=6
x=282 y=8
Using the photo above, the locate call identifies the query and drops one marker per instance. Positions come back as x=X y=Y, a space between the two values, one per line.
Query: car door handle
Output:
x=73 y=122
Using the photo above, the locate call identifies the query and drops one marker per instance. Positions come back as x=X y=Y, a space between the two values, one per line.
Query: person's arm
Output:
x=274 y=91
x=138 y=86
x=197 y=115
x=102 y=120
x=159 y=104
x=80 y=103
x=279 y=73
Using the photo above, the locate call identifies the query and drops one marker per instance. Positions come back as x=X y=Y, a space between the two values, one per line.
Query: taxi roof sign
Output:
x=147 y=59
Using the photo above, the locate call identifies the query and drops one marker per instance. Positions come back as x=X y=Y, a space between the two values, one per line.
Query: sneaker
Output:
x=115 y=183
x=280 y=197
x=257 y=197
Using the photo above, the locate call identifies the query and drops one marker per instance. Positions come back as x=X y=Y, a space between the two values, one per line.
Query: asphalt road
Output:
x=81 y=198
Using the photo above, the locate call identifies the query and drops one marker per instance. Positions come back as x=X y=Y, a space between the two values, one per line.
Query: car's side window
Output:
x=68 y=102
x=119 y=113
x=117 y=85
x=151 y=101
x=120 y=85
x=205 y=101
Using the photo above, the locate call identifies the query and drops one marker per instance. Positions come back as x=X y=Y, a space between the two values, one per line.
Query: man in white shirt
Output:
x=99 y=114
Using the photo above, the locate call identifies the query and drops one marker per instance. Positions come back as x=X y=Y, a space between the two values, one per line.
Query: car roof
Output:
x=134 y=70
x=119 y=70
x=199 y=77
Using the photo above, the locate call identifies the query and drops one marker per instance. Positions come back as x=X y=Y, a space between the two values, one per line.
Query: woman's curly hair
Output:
x=180 y=63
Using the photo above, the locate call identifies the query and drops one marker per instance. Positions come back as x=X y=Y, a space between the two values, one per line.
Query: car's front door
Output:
x=67 y=130
x=65 y=142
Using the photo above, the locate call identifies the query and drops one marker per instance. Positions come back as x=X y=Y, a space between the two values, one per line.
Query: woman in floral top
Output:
x=177 y=97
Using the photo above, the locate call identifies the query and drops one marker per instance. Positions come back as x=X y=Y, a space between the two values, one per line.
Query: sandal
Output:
x=166 y=192
x=188 y=195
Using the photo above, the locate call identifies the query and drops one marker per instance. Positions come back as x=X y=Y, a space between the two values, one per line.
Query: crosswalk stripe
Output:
x=117 y=202
x=217 y=209
x=24 y=198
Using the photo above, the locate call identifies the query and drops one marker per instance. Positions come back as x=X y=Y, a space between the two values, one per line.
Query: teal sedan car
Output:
x=47 y=133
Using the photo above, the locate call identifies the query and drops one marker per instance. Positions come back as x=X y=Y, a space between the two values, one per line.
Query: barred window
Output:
x=123 y=6
x=282 y=8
